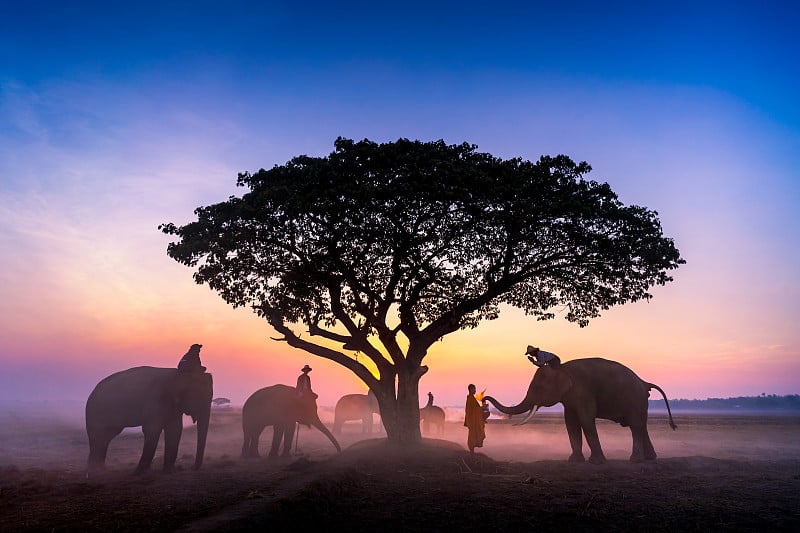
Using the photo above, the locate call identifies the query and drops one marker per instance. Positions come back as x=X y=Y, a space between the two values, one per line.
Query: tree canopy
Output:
x=386 y=248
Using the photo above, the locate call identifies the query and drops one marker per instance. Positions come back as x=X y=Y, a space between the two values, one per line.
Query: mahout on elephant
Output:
x=155 y=399
x=282 y=408
x=356 y=407
x=190 y=362
x=589 y=389
x=303 y=386
x=432 y=414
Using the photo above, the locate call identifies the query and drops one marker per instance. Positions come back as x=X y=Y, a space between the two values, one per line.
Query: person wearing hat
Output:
x=190 y=362
x=304 y=383
x=541 y=358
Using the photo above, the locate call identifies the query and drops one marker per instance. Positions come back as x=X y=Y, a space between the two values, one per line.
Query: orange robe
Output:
x=474 y=421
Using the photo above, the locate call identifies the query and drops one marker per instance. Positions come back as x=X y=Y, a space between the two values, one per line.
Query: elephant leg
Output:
x=590 y=430
x=151 y=437
x=575 y=437
x=366 y=423
x=98 y=447
x=251 y=439
x=649 y=450
x=637 y=451
x=277 y=435
x=247 y=445
x=256 y=436
x=172 y=438
x=642 y=445
x=288 y=435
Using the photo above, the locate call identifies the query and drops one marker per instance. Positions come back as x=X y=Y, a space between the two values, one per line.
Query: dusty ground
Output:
x=715 y=473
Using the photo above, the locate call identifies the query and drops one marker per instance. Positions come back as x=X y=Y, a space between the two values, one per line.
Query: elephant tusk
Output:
x=525 y=419
x=530 y=414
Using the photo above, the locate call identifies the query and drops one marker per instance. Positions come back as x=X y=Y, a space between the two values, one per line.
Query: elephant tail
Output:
x=659 y=389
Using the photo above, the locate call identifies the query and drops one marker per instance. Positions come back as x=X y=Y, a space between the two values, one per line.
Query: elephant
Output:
x=432 y=414
x=281 y=407
x=589 y=389
x=155 y=399
x=355 y=407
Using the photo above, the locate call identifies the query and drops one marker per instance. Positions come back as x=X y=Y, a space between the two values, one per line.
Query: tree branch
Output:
x=358 y=337
x=296 y=342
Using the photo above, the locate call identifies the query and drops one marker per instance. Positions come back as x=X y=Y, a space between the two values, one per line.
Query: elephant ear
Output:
x=179 y=388
x=563 y=381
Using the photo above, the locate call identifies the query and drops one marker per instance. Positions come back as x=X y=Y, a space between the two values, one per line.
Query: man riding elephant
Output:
x=541 y=358
x=304 y=384
x=190 y=362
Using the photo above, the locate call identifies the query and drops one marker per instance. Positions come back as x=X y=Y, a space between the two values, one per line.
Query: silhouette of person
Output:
x=541 y=358
x=190 y=362
x=474 y=421
x=304 y=384
x=430 y=400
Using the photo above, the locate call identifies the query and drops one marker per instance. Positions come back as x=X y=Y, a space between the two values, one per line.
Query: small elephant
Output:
x=355 y=407
x=432 y=414
x=281 y=407
x=155 y=399
x=590 y=389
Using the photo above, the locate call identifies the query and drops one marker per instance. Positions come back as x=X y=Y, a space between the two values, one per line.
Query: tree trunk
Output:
x=400 y=409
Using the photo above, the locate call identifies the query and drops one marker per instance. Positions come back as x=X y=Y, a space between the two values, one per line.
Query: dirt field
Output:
x=715 y=473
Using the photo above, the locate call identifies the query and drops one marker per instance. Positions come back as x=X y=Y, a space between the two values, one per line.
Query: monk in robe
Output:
x=474 y=421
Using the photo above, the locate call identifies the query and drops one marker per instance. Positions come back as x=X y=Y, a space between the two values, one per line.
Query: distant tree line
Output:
x=790 y=402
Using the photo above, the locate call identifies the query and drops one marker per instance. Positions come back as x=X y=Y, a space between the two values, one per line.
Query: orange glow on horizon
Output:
x=98 y=330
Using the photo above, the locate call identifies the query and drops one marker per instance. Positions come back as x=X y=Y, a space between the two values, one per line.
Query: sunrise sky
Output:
x=116 y=117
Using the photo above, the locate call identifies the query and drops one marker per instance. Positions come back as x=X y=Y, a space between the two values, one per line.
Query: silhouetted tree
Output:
x=383 y=249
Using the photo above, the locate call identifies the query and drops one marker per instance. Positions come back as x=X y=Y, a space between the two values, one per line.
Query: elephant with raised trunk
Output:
x=356 y=407
x=590 y=389
x=155 y=399
x=281 y=407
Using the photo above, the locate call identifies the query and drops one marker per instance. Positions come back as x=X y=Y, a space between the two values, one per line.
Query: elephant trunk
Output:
x=202 y=434
x=524 y=406
x=320 y=426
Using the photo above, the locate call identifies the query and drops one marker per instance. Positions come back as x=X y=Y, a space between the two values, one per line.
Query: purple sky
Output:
x=117 y=117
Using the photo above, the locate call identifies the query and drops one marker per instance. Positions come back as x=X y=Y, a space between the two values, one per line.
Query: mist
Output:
x=46 y=434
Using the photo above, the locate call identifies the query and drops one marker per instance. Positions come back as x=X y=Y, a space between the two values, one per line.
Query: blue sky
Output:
x=116 y=117
x=742 y=48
